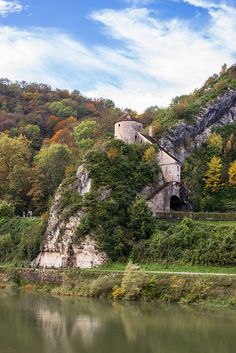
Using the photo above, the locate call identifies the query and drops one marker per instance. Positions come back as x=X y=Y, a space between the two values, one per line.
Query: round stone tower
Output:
x=127 y=129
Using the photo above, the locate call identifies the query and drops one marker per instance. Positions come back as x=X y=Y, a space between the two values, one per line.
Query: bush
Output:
x=141 y=220
x=133 y=281
x=117 y=293
x=30 y=242
x=189 y=242
x=6 y=209
x=22 y=237
x=102 y=286
x=6 y=247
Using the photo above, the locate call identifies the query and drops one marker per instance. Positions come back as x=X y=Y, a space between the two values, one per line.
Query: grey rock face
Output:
x=60 y=249
x=84 y=182
x=220 y=113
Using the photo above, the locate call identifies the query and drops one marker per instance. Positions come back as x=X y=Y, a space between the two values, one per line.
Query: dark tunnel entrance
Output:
x=175 y=203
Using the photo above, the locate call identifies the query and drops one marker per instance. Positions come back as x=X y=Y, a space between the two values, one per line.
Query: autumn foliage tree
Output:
x=213 y=175
x=215 y=143
x=232 y=174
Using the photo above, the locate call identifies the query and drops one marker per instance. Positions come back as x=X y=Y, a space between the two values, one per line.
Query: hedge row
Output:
x=199 y=216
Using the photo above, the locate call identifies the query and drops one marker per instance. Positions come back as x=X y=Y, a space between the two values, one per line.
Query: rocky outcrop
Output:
x=60 y=249
x=184 y=138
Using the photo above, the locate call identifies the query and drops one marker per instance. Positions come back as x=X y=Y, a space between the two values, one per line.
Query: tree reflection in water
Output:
x=33 y=323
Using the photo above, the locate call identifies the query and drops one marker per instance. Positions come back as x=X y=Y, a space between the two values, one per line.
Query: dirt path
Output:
x=175 y=273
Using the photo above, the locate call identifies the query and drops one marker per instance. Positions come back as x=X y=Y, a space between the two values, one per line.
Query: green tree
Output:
x=85 y=133
x=48 y=171
x=14 y=169
x=63 y=108
x=141 y=223
x=32 y=132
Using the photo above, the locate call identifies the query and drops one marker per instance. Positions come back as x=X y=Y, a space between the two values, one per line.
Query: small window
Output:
x=178 y=168
x=119 y=125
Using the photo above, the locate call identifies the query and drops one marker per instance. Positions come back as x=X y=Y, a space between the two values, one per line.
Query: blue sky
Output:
x=137 y=52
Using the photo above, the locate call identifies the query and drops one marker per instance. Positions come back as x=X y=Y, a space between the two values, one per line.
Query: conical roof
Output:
x=128 y=117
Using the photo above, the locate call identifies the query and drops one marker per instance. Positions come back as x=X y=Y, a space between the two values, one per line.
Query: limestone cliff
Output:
x=60 y=249
x=184 y=138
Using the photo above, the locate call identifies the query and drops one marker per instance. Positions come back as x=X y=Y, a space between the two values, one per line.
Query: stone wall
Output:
x=171 y=169
x=32 y=276
x=160 y=201
x=127 y=131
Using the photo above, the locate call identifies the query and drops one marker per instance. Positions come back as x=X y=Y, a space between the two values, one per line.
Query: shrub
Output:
x=141 y=220
x=6 y=247
x=189 y=242
x=102 y=286
x=6 y=209
x=117 y=293
x=30 y=242
x=22 y=236
x=132 y=281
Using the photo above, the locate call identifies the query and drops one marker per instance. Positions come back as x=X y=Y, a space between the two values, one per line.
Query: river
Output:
x=38 y=323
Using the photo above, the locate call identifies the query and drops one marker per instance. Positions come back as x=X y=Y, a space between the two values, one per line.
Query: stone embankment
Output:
x=216 y=288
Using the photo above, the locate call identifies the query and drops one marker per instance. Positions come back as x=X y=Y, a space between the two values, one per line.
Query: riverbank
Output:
x=134 y=284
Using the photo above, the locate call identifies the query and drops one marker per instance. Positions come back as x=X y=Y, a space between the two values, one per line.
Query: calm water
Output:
x=32 y=323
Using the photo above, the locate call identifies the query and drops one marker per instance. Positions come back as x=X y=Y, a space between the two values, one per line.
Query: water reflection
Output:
x=38 y=323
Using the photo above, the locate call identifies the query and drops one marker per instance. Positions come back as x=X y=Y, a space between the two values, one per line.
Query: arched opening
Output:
x=175 y=203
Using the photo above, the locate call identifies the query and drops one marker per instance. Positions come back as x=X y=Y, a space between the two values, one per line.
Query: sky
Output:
x=139 y=53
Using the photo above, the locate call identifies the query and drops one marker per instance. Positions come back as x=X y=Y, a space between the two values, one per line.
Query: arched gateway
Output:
x=175 y=203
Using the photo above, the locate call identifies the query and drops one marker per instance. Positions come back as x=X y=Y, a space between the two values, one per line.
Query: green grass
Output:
x=218 y=223
x=172 y=268
x=6 y=265
x=215 y=223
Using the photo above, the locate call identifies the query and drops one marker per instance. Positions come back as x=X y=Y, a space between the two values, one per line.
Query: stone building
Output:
x=167 y=195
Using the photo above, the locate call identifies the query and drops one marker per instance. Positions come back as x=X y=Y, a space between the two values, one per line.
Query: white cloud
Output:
x=153 y=61
x=47 y=56
x=206 y=4
x=170 y=56
x=139 y=2
x=7 y=7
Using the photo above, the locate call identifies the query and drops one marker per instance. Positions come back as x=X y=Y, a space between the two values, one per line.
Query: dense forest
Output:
x=45 y=134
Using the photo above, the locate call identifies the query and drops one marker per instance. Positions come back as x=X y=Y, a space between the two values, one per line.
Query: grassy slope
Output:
x=156 y=267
